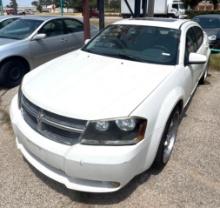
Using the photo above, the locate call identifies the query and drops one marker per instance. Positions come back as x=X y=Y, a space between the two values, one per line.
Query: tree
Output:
x=215 y=2
x=37 y=5
x=115 y=5
x=13 y=4
x=191 y=3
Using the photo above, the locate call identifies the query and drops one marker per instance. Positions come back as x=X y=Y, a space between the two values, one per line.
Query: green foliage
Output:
x=215 y=61
x=13 y=4
x=112 y=6
x=191 y=3
x=37 y=5
x=215 y=2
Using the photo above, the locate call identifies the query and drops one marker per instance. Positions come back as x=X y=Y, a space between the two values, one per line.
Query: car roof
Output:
x=44 y=18
x=7 y=17
x=154 y=21
x=208 y=16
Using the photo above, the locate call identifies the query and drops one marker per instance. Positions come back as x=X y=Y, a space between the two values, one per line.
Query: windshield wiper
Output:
x=128 y=57
x=117 y=55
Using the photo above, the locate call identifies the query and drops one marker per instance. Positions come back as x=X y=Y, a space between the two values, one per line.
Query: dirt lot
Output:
x=191 y=178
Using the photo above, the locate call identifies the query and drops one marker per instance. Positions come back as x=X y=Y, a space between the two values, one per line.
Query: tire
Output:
x=167 y=141
x=12 y=72
x=204 y=76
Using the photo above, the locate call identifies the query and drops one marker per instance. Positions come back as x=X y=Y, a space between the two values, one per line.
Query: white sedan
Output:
x=95 y=118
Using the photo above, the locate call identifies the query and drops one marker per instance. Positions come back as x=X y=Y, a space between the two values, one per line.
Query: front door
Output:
x=52 y=46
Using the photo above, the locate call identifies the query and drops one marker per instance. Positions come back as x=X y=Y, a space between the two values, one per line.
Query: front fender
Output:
x=167 y=106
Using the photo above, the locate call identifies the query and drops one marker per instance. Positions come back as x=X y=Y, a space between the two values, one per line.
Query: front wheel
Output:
x=167 y=141
x=12 y=72
x=204 y=76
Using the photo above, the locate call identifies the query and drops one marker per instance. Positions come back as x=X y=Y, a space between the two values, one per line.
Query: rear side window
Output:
x=72 y=26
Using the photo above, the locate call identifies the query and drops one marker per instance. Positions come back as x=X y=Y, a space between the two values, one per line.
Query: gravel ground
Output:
x=191 y=178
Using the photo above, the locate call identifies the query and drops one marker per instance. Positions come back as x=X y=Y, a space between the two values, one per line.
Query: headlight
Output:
x=127 y=131
x=212 y=37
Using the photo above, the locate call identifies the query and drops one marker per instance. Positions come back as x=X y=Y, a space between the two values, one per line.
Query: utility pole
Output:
x=101 y=8
x=1 y=8
x=137 y=8
x=150 y=8
x=144 y=7
x=61 y=7
x=86 y=19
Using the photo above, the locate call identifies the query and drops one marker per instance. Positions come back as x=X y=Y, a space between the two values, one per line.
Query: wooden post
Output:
x=86 y=19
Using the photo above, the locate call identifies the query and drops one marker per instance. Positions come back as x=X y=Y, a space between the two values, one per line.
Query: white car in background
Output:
x=95 y=118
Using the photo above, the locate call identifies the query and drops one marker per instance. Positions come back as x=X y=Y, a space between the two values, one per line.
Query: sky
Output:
x=20 y=2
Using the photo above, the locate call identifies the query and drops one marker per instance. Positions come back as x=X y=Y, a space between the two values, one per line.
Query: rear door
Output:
x=52 y=46
x=74 y=34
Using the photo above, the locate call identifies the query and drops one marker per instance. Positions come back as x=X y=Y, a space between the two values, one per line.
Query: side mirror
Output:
x=86 y=41
x=196 y=58
x=39 y=36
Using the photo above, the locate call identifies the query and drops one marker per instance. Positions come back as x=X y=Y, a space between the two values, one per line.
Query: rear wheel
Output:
x=168 y=140
x=12 y=72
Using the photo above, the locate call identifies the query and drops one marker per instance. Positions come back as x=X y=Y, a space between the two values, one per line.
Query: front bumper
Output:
x=79 y=167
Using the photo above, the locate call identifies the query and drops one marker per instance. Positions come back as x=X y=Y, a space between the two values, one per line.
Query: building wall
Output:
x=206 y=6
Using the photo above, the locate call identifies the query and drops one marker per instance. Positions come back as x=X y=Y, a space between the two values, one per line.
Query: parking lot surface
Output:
x=191 y=178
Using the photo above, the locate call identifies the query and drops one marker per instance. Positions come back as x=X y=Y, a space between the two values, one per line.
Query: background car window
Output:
x=53 y=28
x=175 y=6
x=199 y=36
x=208 y=23
x=6 y=22
x=72 y=26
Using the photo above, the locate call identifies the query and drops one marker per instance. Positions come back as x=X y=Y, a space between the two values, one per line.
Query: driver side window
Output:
x=191 y=43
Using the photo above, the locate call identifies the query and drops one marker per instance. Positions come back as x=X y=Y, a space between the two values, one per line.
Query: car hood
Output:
x=4 y=41
x=87 y=86
x=212 y=32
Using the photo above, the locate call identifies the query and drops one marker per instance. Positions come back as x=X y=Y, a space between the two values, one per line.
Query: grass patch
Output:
x=215 y=61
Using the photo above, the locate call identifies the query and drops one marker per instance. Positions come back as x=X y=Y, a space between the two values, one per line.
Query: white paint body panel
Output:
x=111 y=82
x=81 y=85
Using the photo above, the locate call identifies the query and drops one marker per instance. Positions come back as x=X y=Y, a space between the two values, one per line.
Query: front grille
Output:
x=52 y=126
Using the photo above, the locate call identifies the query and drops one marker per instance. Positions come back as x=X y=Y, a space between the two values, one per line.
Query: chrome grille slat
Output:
x=52 y=126
x=63 y=127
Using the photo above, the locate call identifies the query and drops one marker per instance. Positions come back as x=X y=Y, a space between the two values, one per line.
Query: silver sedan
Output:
x=31 y=41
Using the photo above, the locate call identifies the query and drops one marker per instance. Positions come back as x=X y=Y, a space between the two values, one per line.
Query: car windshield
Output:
x=208 y=23
x=20 y=29
x=137 y=43
x=181 y=6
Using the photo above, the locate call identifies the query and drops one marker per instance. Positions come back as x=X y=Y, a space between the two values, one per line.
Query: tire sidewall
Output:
x=158 y=163
x=5 y=73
